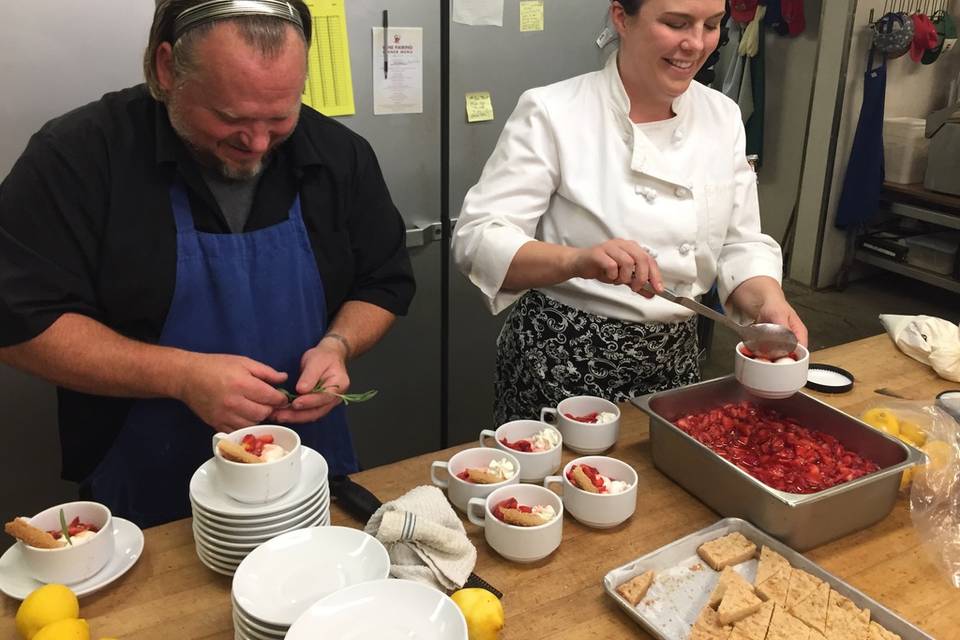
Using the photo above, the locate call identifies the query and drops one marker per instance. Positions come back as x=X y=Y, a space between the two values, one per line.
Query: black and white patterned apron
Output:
x=548 y=351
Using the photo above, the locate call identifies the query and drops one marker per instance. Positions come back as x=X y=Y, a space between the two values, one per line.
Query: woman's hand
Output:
x=762 y=298
x=617 y=261
x=780 y=312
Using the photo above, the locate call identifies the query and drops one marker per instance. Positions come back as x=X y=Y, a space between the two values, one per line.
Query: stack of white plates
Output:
x=226 y=531
x=283 y=578
x=382 y=609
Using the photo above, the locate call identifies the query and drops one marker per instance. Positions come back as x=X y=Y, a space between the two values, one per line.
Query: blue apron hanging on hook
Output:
x=864 y=178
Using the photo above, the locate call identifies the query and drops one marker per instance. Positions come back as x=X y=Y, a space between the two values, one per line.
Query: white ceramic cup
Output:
x=519 y=544
x=460 y=491
x=598 y=510
x=584 y=437
x=71 y=564
x=265 y=481
x=771 y=380
x=534 y=466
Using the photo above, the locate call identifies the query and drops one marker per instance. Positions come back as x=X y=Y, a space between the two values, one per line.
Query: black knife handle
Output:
x=354 y=499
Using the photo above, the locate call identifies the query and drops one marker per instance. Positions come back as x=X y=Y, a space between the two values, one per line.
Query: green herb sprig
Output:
x=347 y=398
x=64 y=528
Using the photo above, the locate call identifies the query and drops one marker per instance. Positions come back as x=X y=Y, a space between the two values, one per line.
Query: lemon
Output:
x=906 y=478
x=882 y=419
x=940 y=453
x=68 y=629
x=47 y=604
x=935 y=474
x=483 y=612
x=912 y=433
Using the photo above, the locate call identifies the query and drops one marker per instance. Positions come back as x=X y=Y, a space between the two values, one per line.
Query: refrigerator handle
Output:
x=422 y=235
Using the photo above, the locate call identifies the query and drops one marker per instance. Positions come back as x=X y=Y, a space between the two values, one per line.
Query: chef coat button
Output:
x=650 y=194
x=681 y=192
x=678 y=134
x=684 y=249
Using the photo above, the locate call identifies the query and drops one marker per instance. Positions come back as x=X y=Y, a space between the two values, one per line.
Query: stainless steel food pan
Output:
x=802 y=521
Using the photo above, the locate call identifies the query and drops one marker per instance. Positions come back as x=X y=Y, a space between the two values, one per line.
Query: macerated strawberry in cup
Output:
x=521 y=515
x=589 y=479
x=263 y=447
x=75 y=528
x=790 y=357
x=543 y=440
x=594 y=417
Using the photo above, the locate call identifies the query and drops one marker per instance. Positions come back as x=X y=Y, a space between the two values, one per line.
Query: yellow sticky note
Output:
x=531 y=15
x=329 y=86
x=479 y=106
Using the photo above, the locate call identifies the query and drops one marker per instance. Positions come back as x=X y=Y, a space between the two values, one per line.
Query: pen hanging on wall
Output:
x=385 y=26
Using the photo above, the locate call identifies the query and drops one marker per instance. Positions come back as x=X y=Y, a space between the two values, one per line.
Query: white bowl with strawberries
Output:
x=535 y=445
x=66 y=543
x=772 y=379
x=588 y=424
x=474 y=473
x=257 y=464
x=521 y=522
x=599 y=491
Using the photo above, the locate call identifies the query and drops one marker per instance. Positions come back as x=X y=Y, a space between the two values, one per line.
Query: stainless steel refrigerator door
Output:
x=506 y=62
x=404 y=419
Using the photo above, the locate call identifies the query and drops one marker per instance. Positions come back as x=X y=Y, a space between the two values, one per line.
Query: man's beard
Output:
x=208 y=158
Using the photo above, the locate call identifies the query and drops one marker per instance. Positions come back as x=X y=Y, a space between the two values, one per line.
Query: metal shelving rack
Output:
x=938 y=209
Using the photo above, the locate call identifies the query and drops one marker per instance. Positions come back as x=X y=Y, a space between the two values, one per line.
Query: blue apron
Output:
x=255 y=294
x=864 y=179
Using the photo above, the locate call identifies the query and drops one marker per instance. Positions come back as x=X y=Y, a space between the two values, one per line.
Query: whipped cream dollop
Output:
x=502 y=468
x=612 y=486
x=544 y=440
x=78 y=538
x=272 y=452
x=605 y=417
x=545 y=512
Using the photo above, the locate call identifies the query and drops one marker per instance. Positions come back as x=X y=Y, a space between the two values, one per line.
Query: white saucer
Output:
x=312 y=501
x=381 y=609
x=241 y=528
x=128 y=544
x=214 y=566
x=228 y=542
x=283 y=577
x=206 y=493
x=256 y=629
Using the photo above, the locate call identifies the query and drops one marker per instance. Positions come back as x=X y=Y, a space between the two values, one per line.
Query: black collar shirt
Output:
x=86 y=227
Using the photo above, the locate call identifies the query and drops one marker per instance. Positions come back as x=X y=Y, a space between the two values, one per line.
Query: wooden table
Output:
x=169 y=595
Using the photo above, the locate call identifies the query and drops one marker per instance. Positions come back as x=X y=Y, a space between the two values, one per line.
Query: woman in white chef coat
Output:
x=600 y=184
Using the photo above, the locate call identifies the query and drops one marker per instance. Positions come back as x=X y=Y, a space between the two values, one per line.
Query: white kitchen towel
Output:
x=932 y=341
x=425 y=539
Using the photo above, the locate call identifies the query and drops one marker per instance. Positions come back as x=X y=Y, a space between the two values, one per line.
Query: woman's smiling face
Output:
x=665 y=43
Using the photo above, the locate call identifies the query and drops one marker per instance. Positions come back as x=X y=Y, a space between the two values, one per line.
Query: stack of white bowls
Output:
x=283 y=578
x=226 y=531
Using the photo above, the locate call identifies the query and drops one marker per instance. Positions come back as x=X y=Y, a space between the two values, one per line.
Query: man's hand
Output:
x=618 y=261
x=230 y=392
x=324 y=363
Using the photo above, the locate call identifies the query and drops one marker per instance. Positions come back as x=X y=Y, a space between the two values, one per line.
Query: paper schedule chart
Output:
x=329 y=86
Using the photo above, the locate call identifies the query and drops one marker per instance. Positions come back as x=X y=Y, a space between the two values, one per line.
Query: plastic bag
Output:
x=934 y=487
x=935 y=496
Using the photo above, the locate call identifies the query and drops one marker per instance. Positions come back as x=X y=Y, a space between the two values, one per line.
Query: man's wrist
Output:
x=342 y=341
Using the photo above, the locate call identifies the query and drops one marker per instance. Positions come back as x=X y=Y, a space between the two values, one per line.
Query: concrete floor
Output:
x=836 y=317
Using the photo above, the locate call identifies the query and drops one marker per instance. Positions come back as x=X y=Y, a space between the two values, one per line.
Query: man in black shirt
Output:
x=172 y=253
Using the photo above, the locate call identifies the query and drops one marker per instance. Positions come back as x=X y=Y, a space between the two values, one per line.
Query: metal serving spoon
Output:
x=764 y=338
